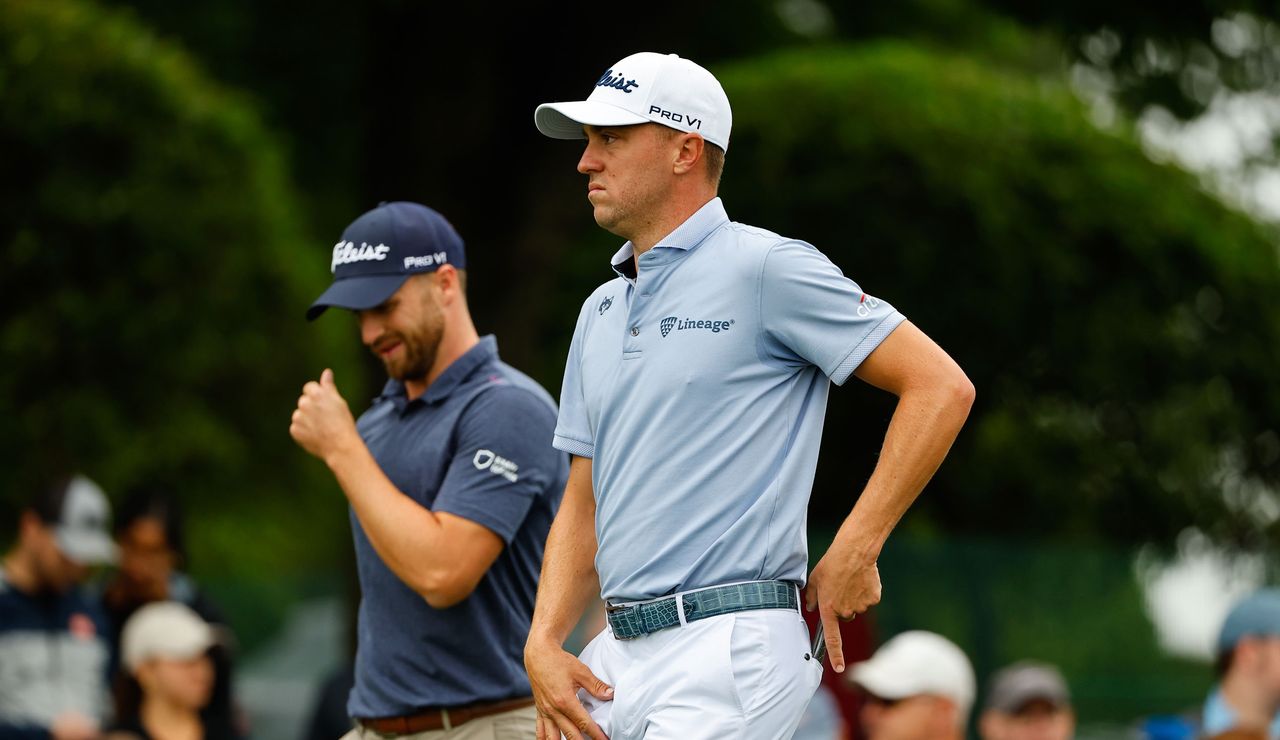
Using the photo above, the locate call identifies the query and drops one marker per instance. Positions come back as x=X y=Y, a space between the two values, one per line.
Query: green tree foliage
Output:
x=1122 y=327
x=153 y=283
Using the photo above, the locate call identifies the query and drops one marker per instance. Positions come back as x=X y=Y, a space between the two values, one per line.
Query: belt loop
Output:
x=444 y=716
x=680 y=609
x=799 y=601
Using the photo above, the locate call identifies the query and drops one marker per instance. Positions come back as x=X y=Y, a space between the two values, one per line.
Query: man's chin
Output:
x=607 y=219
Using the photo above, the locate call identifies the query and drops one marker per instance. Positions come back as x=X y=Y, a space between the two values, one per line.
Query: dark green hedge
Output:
x=153 y=282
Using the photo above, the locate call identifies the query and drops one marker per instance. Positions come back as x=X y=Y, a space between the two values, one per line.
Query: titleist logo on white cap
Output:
x=646 y=87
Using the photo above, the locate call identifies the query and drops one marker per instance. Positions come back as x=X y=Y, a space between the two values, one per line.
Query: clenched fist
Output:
x=322 y=423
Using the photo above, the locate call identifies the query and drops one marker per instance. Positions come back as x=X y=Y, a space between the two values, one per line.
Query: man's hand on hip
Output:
x=556 y=676
x=322 y=423
x=841 y=587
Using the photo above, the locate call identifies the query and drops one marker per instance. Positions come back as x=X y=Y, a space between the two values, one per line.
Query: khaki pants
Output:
x=518 y=724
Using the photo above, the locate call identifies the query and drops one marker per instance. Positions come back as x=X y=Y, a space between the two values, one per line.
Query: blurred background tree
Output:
x=154 y=280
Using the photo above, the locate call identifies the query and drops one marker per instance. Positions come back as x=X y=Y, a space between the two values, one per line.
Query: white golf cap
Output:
x=915 y=663
x=165 y=629
x=82 y=527
x=643 y=88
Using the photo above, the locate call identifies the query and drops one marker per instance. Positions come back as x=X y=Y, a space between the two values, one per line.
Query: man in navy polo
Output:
x=693 y=403
x=452 y=483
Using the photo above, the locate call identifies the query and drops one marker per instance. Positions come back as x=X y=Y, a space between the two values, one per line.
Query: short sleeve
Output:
x=503 y=461
x=573 y=426
x=811 y=312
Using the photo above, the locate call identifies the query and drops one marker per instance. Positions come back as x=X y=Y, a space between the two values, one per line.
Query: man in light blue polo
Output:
x=1247 y=695
x=452 y=483
x=693 y=402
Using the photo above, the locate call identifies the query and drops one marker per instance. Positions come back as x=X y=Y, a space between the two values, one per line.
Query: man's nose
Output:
x=370 y=328
x=589 y=162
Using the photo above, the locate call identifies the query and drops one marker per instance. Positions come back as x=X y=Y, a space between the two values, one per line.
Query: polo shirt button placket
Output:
x=635 y=331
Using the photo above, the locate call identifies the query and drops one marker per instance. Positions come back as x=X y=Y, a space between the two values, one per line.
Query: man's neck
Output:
x=653 y=232
x=455 y=343
x=1253 y=707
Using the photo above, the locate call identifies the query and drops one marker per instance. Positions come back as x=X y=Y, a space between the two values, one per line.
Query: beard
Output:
x=417 y=356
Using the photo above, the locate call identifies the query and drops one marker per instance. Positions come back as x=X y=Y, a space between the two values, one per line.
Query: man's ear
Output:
x=448 y=283
x=689 y=153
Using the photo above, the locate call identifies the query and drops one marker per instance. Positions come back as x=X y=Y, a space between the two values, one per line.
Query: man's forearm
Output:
x=569 y=580
x=921 y=432
x=407 y=537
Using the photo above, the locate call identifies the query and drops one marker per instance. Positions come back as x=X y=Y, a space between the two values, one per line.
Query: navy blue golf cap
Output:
x=1257 y=615
x=381 y=249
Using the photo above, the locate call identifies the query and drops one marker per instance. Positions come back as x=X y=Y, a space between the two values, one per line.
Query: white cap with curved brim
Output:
x=165 y=629
x=82 y=529
x=646 y=88
x=915 y=663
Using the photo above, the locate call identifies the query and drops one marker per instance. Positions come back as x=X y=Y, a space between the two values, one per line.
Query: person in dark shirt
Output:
x=53 y=638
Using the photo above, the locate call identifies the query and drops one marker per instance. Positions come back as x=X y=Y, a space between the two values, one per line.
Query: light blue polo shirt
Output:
x=1218 y=716
x=698 y=387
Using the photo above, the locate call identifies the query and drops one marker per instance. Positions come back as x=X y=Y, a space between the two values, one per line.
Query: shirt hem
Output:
x=865 y=347
x=574 y=447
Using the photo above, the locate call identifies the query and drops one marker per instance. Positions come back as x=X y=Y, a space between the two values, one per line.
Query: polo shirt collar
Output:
x=686 y=236
x=484 y=352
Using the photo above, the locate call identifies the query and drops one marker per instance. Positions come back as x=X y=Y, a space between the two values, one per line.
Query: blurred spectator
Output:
x=821 y=719
x=152 y=550
x=1247 y=696
x=53 y=641
x=919 y=686
x=1028 y=701
x=165 y=651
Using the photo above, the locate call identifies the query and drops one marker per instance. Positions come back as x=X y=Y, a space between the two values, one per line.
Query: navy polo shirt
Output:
x=476 y=444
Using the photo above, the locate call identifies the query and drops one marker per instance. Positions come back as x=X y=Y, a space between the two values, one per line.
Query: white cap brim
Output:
x=884 y=681
x=87 y=547
x=565 y=120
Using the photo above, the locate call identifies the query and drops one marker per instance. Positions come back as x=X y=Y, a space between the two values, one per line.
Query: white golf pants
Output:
x=746 y=676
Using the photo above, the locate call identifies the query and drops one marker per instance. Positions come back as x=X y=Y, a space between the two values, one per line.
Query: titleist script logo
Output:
x=496 y=464
x=619 y=81
x=675 y=117
x=426 y=260
x=347 y=252
x=667 y=325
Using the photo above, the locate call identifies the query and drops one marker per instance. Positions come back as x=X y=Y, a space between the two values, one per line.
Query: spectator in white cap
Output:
x=1027 y=701
x=919 y=686
x=1247 y=696
x=56 y=634
x=165 y=647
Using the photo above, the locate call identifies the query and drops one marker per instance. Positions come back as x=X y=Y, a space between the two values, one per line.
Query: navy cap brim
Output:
x=357 y=293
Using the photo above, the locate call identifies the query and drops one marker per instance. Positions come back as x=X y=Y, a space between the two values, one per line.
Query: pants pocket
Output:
x=774 y=674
